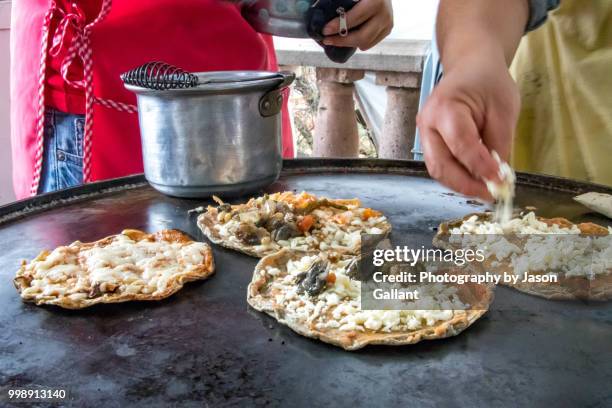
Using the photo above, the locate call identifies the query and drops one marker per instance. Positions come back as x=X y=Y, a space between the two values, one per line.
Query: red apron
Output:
x=197 y=35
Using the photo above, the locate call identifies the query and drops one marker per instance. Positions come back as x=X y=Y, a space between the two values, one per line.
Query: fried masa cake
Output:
x=317 y=296
x=132 y=265
x=529 y=248
x=303 y=221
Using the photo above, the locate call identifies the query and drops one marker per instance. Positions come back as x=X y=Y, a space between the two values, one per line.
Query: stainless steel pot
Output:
x=222 y=137
x=284 y=18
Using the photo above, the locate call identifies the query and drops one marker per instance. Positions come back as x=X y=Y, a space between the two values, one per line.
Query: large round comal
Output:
x=222 y=137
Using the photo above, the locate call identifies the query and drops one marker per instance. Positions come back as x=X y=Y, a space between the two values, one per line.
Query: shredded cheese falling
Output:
x=504 y=191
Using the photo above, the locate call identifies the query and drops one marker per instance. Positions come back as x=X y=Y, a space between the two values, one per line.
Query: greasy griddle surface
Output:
x=204 y=344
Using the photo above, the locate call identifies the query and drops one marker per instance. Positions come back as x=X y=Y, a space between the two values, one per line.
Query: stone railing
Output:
x=397 y=64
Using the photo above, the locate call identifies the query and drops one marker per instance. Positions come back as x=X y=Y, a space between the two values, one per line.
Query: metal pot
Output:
x=284 y=18
x=221 y=137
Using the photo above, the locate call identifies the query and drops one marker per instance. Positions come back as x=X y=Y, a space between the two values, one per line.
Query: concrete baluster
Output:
x=335 y=132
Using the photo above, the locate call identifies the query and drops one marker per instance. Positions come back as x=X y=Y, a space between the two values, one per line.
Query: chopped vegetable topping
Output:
x=331 y=278
x=306 y=223
x=369 y=213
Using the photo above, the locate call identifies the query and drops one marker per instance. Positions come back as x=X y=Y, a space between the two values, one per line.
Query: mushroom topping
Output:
x=275 y=222
x=285 y=231
x=250 y=234
x=314 y=280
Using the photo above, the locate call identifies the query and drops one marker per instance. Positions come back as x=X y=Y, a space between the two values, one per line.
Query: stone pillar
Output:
x=399 y=127
x=335 y=133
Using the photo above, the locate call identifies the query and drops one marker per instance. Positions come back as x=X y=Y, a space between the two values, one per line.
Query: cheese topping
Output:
x=123 y=266
x=532 y=245
x=338 y=306
x=574 y=256
x=526 y=224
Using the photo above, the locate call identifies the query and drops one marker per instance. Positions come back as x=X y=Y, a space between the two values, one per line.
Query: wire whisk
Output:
x=160 y=76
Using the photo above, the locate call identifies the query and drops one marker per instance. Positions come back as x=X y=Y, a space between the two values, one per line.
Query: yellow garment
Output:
x=564 y=72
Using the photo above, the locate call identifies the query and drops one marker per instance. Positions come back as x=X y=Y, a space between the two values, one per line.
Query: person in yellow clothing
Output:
x=558 y=90
x=564 y=74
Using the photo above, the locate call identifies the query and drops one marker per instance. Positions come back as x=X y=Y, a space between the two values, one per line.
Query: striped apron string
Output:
x=79 y=48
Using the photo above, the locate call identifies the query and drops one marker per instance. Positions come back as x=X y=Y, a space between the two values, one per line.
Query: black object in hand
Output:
x=319 y=14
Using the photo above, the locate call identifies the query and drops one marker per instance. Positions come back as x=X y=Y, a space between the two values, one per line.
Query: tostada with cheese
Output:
x=132 y=265
x=302 y=221
x=318 y=296
x=551 y=258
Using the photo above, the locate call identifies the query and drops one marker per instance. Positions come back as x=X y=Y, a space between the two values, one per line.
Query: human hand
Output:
x=369 y=22
x=472 y=112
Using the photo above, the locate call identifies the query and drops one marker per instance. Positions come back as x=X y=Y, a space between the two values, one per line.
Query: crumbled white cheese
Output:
x=527 y=224
x=538 y=246
x=338 y=306
x=571 y=255
x=134 y=266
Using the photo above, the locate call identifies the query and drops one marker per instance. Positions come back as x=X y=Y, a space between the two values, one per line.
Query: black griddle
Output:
x=205 y=347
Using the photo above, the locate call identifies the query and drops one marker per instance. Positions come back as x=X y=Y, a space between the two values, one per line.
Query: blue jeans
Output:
x=63 y=155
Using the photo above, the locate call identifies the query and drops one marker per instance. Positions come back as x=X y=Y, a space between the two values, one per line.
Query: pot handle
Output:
x=271 y=103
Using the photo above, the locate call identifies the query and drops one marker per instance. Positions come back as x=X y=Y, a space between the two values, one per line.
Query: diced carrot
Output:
x=306 y=223
x=369 y=213
x=331 y=278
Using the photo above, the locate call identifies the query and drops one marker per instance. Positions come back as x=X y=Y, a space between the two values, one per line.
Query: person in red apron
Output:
x=72 y=119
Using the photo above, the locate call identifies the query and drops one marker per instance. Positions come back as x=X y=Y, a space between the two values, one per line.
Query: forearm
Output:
x=485 y=27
